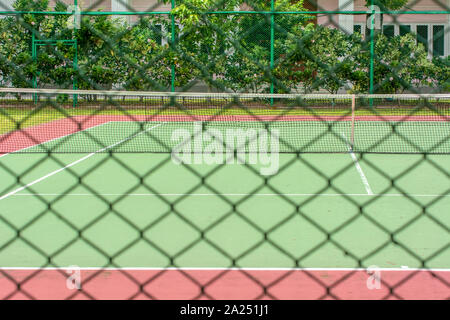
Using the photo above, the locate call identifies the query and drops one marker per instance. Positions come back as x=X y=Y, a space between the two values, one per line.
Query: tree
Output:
x=202 y=40
x=16 y=61
x=232 y=51
x=147 y=65
x=318 y=58
x=401 y=65
x=330 y=59
x=16 y=65
x=254 y=36
x=442 y=73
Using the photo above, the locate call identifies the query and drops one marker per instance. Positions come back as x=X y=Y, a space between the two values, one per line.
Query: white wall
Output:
x=345 y=20
x=6 y=5
x=120 y=5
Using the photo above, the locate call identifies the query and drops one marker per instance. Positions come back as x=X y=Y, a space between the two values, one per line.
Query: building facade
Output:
x=433 y=30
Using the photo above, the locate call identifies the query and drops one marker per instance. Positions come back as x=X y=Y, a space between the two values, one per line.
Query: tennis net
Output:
x=68 y=121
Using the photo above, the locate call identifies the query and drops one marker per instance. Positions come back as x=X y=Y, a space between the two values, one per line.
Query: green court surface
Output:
x=143 y=210
x=294 y=136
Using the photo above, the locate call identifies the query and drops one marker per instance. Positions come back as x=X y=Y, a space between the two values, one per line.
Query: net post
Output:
x=352 y=136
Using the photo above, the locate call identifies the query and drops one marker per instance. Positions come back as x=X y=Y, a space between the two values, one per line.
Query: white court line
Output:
x=74 y=163
x=358 y=168
x=235 y=195
x=361 y=174
x=62 y=137
x=223 y=269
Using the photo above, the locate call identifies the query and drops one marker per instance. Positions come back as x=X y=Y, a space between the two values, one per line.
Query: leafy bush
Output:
x=400 y=64
x=442 y=73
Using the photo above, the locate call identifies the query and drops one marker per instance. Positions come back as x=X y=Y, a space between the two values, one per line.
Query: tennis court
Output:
x=101 y=191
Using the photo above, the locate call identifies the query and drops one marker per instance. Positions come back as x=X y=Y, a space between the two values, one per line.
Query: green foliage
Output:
x=99 y=63
x=54 y=63
x=16 y=65
x=255 y=29
x=388 y=4
x=32 y=21
x=31 y=5
x=146 y=64
x=200 y=47
x=442 y=73
x=191 y=12
x=248 y=66
x=110 y=53
x=400 y=64
x=243 y=71
x=318 y=57
x=315 y=58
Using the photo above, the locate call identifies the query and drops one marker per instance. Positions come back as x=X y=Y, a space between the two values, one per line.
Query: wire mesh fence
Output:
x=224 y=149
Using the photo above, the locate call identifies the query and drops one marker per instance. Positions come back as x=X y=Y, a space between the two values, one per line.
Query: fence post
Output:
x=75 y=66
x=34 y=58
x=372 y=48
x=172 y=82
x=272 y=48
x=33 y=55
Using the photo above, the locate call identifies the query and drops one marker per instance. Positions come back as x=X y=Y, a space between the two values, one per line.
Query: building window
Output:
x=422 y=35
x=404 y=30
x=438 y=40
x=157 y=30
x=433 y=37
x=389 y=31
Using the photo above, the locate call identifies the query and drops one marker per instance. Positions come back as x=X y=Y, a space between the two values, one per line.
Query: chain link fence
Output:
x=224 y=149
